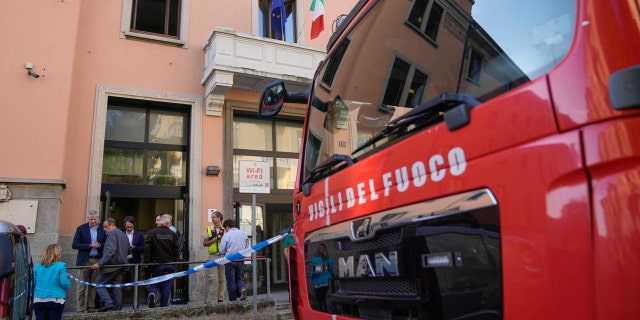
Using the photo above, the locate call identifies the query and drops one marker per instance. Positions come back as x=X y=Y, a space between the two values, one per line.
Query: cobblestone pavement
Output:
x=228 y=311
x=240 y=310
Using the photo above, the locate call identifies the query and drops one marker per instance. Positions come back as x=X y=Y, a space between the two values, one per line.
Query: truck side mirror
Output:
x=272 y=99
x=274 y=95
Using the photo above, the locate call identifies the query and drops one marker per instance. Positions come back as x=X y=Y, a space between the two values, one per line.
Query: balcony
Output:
x=246 y=62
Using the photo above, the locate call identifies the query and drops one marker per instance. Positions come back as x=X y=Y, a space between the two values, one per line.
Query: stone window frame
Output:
x=103 y=92
x=183 y=33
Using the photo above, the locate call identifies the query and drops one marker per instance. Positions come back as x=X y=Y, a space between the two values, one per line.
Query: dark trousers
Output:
x=321 y=296
x=114 y=277
x=48 y=310
x=233 y=273
x=165 y=286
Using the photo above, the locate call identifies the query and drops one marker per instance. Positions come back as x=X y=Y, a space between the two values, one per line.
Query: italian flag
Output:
x=317 y=25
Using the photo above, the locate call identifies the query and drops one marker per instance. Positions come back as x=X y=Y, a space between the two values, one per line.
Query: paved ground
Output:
x=240 y=310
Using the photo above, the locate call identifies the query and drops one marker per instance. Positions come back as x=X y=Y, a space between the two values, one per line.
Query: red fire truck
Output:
x=467 y=159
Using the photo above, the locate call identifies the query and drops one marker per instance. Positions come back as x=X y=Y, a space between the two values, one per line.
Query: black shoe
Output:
x=152 y=300
x=106 y=308
x=220 y=301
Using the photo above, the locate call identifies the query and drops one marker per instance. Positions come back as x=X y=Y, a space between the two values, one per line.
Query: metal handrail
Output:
x=138 y=265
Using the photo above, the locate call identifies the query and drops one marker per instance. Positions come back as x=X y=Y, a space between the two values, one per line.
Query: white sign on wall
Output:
x=22 y=212
x=254 y=176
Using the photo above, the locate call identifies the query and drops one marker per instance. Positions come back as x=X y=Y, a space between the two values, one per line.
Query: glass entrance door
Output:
x=280 y=218
x=244 y=222
x=271 y=220
x=144 y=211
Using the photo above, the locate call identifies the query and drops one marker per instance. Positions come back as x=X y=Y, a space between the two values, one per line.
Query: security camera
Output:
x=29 y=67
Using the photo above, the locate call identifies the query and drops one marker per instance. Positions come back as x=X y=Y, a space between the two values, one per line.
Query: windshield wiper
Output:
x=323 y=169
x=427 y=113
x=441 y=103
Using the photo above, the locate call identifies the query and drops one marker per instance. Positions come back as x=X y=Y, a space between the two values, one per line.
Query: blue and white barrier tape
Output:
x=209 y=264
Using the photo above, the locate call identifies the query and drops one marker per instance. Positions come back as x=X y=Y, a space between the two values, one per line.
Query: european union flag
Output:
x=278 y=17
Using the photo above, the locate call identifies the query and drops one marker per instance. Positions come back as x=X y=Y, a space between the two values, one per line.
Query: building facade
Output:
x=138 y=107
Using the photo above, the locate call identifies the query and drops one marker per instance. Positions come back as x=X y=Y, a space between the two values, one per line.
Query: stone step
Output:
x=283 y=312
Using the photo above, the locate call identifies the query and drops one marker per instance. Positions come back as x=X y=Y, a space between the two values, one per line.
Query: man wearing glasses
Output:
x=215 y=275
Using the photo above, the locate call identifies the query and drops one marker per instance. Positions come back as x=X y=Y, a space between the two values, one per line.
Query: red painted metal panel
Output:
x=613 y=158
x=607 y=40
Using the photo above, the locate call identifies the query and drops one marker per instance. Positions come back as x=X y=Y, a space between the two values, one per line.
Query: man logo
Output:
x=374 y=264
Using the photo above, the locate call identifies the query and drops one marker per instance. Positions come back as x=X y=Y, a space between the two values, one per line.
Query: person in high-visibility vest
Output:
x=215 y=275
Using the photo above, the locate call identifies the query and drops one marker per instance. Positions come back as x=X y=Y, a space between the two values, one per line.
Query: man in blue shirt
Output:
x=234 y=240
x=89 y=241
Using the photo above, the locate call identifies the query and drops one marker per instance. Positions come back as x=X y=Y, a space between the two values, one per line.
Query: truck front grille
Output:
x=384 y=239
x=378 y=287
x=437 y=259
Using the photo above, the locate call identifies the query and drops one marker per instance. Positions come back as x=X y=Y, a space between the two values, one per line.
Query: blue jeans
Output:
x=165 y=286
x=48 y=310
x=233 y=273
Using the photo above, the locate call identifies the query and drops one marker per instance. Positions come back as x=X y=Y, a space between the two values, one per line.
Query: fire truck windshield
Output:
x=402 y=55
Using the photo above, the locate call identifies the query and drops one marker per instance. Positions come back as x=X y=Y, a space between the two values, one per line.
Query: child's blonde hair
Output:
x=51 y=255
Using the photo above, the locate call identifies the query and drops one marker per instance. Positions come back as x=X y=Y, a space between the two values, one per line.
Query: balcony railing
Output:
x=246 y=62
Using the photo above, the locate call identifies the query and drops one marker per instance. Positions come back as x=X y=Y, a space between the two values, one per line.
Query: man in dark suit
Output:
x=136 y=245
x=116 y=249
x=136 y=240
x=89 y=241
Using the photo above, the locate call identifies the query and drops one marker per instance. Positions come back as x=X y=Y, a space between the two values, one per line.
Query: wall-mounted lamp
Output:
x=29 y=67
x=213 y=170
